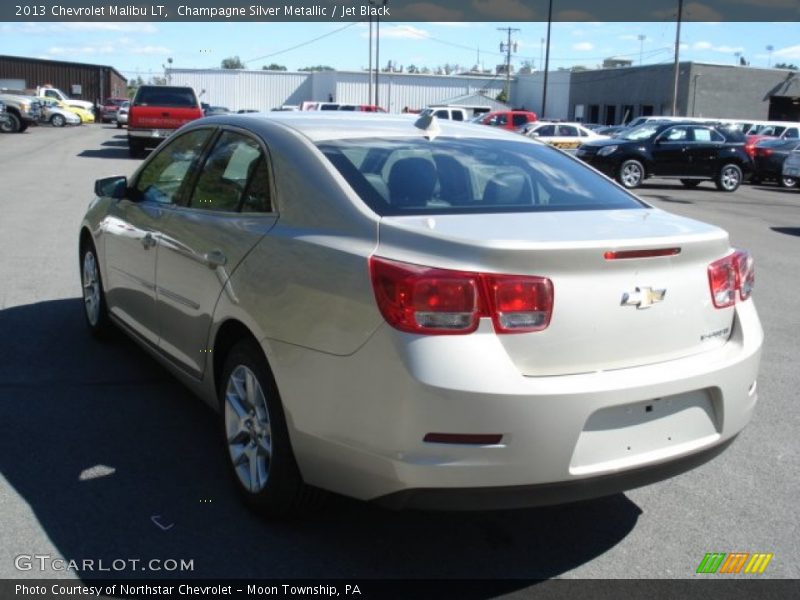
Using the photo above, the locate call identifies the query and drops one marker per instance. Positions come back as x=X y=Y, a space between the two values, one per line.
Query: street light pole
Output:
x=641 y=38
x=369 y=97
x=546 y=59
x=677 y=57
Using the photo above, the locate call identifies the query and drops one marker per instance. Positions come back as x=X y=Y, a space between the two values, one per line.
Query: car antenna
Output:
x=430 y=125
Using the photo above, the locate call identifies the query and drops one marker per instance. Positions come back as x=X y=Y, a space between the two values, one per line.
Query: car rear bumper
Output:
x=563 y=438
x=156 y=135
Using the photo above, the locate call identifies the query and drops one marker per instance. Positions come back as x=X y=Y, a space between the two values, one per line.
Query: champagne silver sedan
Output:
x=425 y=314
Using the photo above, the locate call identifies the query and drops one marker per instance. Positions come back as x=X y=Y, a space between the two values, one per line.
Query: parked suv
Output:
x=689 y=151
x=157 y=111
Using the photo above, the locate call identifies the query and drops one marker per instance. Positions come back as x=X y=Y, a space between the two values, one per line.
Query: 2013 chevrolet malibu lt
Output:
x=423 y=313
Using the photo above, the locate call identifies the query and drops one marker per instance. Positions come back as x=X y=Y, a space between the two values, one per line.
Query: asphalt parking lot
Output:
x=97 y=439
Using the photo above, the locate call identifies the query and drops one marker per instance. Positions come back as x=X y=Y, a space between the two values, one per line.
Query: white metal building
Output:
x=264 y=90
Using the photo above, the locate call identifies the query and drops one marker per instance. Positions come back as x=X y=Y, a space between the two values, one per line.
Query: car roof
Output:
x=320 y=126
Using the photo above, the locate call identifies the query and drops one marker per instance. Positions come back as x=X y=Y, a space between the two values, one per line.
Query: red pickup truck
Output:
x=157 y=111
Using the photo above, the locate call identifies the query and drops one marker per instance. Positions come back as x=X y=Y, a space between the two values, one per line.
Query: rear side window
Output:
x=458 y=115
x=166 y=96
x=234 y=177
x=519 y=120
x=469 y=175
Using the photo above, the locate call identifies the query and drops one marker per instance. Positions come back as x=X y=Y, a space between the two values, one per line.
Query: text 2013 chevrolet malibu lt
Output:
x=427 y=314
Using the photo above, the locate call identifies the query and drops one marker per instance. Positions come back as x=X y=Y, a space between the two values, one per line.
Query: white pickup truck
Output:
x=47 y=91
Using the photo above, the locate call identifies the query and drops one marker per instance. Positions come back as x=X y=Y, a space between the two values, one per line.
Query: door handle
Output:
x=148 y=241
x=215 y=259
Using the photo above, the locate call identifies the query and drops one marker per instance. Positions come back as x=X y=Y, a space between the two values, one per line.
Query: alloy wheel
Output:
x=248 y=429
x=91 y=288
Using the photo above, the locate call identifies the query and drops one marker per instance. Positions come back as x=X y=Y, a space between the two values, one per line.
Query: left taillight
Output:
x=433 y=301
x=730 y=275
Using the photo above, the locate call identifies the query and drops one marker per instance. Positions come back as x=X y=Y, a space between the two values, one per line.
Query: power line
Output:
x=306 y=43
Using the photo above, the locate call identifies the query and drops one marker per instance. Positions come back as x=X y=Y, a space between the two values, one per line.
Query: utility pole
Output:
x=677 y=56
x=546 y=59
x=507 y=47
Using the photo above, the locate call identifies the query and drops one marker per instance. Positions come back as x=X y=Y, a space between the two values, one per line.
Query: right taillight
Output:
x=729 y=275
x=432 y=301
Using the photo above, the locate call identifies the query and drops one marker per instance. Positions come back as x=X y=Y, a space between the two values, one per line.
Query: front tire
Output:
x=258 y=450
x=729 y=178
x=787 y=182
x=631 y=174
x=58 y=121
x=12 y=124
x=94 y=299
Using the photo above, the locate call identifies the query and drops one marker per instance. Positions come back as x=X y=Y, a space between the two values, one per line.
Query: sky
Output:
x=143 y=48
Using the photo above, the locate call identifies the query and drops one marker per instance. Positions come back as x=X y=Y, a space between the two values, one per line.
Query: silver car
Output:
x=122 y=114
x=423 y=313
x=791 y=166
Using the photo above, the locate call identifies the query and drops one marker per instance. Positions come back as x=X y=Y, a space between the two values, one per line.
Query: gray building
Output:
x=704 y=90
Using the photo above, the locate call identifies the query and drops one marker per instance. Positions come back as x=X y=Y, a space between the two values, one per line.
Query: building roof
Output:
x=64 y=63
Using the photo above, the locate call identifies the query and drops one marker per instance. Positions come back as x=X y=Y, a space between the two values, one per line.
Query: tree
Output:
x=273 y=67
x=786 y=66
x=232 y=62
x=502 y=97
x=412 y=69
x=317 y=68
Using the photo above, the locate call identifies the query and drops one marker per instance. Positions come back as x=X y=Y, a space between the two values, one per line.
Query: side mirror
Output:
x=111 y=187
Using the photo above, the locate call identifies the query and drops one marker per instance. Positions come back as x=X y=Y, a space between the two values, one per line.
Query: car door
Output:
x=133 y=228
x=703 y=151
x=669 y=152
x=226 y=211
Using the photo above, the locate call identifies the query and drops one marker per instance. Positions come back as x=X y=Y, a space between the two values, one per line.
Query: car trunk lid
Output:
x=609 y=311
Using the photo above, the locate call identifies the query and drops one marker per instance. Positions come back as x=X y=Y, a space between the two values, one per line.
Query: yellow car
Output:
x=85 y=115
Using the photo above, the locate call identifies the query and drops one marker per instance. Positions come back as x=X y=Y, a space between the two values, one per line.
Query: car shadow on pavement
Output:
x=114 y=151
x=787 y=230
x=119 y=461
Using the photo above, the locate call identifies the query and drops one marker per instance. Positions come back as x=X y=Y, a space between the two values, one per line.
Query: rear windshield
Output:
x=463 y=175
x=165 y=96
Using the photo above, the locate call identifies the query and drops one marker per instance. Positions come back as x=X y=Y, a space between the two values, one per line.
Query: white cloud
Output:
x=702 y=46
x=583 y=46
x=402 y=32
x=92 y=50
x=728 y=49
x=789 y=52
x=84 y=27
x=150 y=50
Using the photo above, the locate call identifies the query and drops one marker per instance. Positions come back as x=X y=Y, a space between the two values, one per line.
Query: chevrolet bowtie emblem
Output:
x=643 y=297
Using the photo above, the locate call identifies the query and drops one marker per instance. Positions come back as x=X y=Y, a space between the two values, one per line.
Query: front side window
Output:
x=234 y=177
x=163 y=176
x=469 y=175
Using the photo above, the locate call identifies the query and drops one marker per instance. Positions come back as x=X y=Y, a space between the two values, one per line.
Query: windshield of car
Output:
x=165 y=96
x=638 y=133
x=469 y=175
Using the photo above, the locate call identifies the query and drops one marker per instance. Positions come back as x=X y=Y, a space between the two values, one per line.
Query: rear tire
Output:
x=787 y=182
x=257 y=445
x=119 y=125
x=729 y=178
x=631 y=174
x=135 y=149
x=690 y=183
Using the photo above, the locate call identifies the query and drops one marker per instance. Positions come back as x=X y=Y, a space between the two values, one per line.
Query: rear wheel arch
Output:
x=230 y=333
